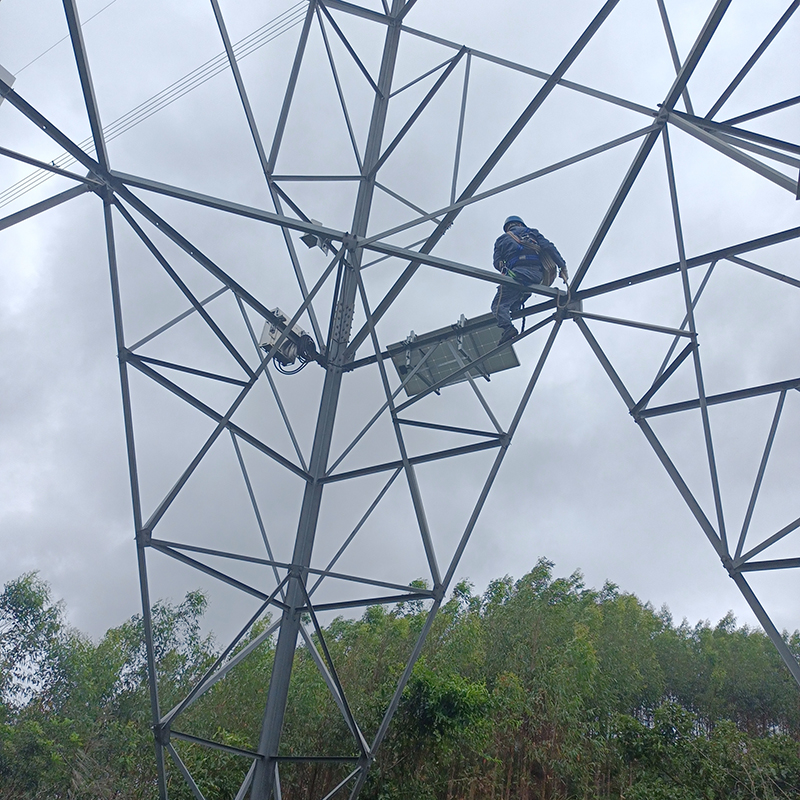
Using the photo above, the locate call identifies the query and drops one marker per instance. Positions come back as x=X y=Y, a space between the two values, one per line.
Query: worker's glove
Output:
x=563 y=274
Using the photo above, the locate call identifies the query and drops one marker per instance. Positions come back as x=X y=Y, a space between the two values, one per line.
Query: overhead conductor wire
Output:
x=244 y=47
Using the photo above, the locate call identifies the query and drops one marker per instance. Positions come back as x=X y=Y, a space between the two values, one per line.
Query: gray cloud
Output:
x=580 y=485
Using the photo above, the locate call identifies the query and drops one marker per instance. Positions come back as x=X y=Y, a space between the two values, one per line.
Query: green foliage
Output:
x=30 y=625
x=77 y=714
x=441 y=711
x=674 y=758
x=539 y=688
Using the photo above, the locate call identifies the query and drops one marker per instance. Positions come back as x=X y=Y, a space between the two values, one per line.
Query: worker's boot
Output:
x=509 y=334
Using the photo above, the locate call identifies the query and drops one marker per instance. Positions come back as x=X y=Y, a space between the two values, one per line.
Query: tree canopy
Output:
x=537 y=688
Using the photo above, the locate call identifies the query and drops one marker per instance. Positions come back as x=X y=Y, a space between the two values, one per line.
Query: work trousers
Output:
x=511 y=298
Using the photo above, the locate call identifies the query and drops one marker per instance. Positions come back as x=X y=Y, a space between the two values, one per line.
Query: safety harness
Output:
x=527 y=242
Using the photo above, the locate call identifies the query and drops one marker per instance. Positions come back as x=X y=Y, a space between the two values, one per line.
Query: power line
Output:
x=197 y=77
x=64 y=38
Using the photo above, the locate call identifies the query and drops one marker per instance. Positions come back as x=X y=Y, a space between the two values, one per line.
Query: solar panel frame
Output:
x=452 y=350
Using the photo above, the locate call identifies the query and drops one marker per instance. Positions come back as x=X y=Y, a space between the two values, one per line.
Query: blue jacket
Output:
x=508 y=253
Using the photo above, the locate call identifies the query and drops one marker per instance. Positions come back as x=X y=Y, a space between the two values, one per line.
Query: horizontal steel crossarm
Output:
x=321 y=232
x=454 y=266
x=726 y=397
x=734 y=153
x=316 y=759
x=536 y=73
x=44 y=205
x=778 y=276
x=315 y=178
x=225 y=748
x=778 y=563
x=228 y=206
x=759 y=548
x=44 y=165
x=363 y=602
x=190 y=370
x=423 y=593
x=438 y=455
x=629 y=323
x=504 y=187
x=739 y=133
x=214 y=573
x=767 y=152
x=760 y=112
x=137 y=362
x=696 y=261
x=359 y=11
x=449 y=428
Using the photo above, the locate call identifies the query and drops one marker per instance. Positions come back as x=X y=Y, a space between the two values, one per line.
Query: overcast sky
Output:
x=580 y=485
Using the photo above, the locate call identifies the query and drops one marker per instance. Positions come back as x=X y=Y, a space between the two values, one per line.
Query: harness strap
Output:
x=523 y=243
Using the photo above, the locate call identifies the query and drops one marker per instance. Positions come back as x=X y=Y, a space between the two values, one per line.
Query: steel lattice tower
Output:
x=288 y=457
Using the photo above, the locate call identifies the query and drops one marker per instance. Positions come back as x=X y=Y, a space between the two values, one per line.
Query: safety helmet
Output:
x=510 y=220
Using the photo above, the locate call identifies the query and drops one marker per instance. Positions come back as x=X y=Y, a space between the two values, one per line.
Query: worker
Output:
x=522 y=253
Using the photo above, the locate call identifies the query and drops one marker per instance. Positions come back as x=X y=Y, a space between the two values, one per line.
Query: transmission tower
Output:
x=309 y=437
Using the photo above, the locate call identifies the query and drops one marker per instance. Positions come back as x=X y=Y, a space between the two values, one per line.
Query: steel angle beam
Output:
x=328 y=452
x=7 y=78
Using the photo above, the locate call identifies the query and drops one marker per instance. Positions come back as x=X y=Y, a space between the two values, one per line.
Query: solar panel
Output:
x=439 y=358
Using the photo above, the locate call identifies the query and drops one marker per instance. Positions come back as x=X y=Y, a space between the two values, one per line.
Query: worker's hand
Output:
x=563 y=274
